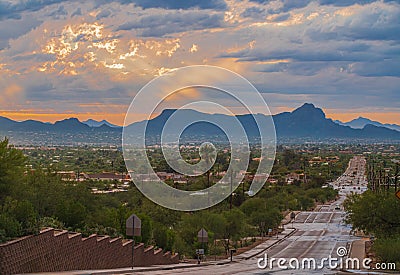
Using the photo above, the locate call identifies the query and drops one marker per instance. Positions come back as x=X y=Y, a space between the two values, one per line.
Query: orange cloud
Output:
x=186 y=93
x=11 y=95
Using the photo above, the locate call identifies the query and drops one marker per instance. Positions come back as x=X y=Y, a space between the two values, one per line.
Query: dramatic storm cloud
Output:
x=69 y=58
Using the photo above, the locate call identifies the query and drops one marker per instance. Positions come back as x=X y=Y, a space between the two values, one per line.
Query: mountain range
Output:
x=360 y=123
x=307 y=123
x=70 y=125
x=95 y=123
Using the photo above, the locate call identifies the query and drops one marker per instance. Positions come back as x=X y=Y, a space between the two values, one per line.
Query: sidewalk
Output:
x=358 y=249
x=265 y=245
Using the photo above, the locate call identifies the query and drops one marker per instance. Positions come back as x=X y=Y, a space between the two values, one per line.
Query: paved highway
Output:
x=318 y=235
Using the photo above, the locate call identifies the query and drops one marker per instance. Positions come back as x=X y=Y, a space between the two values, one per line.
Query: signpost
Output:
x=292 y=217
x=232 y=251
x=262 y=229
x=202 y=236
x=133 y=228
x=200 y=251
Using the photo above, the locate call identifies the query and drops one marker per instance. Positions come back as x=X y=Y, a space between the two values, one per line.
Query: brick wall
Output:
x=54 y=250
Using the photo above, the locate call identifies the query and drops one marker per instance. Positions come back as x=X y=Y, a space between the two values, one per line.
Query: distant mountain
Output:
x=306 y=123
x=95 y=123
x=69 y=125
x=360 y=123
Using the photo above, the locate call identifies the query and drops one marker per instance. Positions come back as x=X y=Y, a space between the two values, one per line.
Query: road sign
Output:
x=131 y=222
x=202 y=235
x=292 y=215
x=398 y=194
x=232 y=251
x=200 y=251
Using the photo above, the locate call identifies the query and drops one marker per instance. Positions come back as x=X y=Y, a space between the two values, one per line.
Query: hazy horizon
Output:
x=101 y=117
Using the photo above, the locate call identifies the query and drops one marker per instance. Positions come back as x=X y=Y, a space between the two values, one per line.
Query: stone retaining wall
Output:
x=54 y=250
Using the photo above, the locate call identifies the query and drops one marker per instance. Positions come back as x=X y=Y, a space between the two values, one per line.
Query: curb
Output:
x=271 y=245
x=156 y=268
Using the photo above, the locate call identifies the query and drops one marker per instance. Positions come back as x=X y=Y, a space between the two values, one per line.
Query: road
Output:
x=318 y=235
x=353 y=179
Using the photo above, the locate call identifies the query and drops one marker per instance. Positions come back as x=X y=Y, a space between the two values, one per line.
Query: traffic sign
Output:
x=398 y=194
x=202 y=235
x=200 y=251
x=133 y=222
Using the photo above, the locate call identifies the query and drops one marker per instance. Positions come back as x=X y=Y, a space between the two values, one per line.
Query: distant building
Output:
x=67 y=175
x=292 y=177
x=107 y=176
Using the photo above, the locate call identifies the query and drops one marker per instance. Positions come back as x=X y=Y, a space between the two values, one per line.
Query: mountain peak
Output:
x=361 y=122
x=309 y=110
x=307 y=105
x=70 y=120
x=168 y=111
x=96 y=123
x=362 y=119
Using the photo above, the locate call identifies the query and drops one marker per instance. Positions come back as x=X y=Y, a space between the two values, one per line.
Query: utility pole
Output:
x=395 y=177
x=230 y=207
x=243 y=189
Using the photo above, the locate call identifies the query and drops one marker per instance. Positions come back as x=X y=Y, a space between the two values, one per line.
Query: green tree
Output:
x=71 y=213
x=233 y=227
x=12 y=163
x=9 y=227
x=147 y=228
x=374 y=213
x=164 y=237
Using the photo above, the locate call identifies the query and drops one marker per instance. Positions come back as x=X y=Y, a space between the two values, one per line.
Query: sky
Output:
x=61 y=59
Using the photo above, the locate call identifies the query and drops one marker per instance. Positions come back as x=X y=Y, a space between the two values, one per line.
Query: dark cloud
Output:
x=58 y=13
x=281 y=17
x=13 y=10
x=159 y=25
x=376 y=23
x=287 y=4
x=179 y=4
x=345 y=3
x=10 y=10
x=296 y=4
x=253 y=12
x=363 y=43
x=14 y=28
x=298 y=68
x=77 y=12
x=311 y=53
x=377 y=69
x=103 y=14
